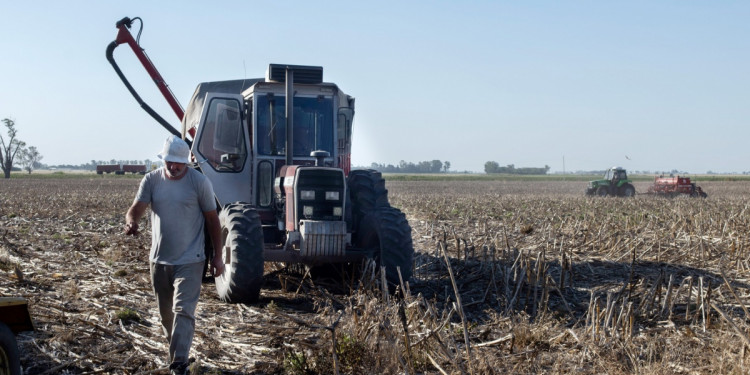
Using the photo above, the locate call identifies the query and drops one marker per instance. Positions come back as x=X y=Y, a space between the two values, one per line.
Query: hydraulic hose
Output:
x=110 y=57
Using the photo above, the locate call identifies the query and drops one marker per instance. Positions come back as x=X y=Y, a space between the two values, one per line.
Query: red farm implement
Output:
x=675 y=185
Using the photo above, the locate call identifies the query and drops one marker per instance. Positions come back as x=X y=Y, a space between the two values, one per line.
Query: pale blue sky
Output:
x=528 y=83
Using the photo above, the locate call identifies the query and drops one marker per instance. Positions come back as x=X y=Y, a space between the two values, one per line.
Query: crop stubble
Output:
x=548 y=281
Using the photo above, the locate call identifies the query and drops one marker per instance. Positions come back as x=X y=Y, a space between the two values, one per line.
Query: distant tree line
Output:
x=494 y=167
x=434 y=166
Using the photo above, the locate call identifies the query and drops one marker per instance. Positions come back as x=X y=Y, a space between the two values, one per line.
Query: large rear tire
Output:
x=628 y=190
x=386 y=233
x=10 y=361
x=242 y=235
x=367 y=191
x=602 y=191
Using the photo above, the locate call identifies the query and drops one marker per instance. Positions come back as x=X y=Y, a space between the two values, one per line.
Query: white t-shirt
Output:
x=177 y=222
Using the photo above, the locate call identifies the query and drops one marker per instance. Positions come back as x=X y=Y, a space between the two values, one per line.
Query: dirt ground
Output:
x=541 y=280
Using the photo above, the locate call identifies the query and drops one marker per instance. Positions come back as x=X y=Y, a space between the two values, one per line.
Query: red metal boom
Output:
x=124 y=36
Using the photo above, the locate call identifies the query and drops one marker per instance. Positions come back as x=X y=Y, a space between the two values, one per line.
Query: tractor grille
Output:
x=322 y=238
x=321 y=181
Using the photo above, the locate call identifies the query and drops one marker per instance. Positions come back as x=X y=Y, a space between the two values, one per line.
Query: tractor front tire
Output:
x=242 y=253
x=602 y=191
x=386 y=233
x=367 y=191
x=10 y=361
x=628 y=191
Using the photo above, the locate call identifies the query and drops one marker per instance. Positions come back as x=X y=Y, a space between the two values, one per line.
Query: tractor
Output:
x=614 y=183
x=277 y=151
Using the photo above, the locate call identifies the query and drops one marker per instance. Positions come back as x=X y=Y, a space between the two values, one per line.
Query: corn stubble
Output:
x=510 y=277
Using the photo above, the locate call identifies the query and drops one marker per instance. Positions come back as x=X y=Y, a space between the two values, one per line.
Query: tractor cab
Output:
x=245 y=133
x=615 y=174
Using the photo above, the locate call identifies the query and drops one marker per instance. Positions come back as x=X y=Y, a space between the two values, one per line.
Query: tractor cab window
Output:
x=313 y=125
x=222 y=142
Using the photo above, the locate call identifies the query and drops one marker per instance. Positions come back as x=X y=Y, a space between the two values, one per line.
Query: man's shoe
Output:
x=178 y=368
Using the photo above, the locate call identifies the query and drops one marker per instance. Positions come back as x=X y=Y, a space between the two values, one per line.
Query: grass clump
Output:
x=128 y=315
x=121 y=273
x=354 y=355
x=296 y=363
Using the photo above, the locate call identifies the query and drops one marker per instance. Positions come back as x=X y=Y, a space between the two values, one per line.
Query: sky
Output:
x=575 y=85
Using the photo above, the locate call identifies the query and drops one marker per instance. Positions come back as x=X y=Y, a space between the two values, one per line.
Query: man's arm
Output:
x=214 y=231
x=135 y=213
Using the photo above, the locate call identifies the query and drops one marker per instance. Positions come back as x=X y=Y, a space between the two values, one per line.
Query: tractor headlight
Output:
x=307 y=211
x=332 y=195
x=307 y=195
x=338 y=211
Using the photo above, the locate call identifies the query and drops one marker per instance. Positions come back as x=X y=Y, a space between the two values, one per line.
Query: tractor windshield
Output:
x=616 y=174
x=313 y=125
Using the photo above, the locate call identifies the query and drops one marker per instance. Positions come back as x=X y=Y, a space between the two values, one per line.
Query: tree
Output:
x=446 y=166
x=491 y=167
x=30 y=158
x=436 y=166
x=9 y=147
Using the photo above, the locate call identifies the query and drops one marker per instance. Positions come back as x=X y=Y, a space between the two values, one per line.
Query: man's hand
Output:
x=214 y=230
x=217 y=266
x=134 y=214
x=131 y=228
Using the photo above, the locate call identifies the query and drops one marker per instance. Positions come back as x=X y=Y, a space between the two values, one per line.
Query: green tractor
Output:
x=615 y=182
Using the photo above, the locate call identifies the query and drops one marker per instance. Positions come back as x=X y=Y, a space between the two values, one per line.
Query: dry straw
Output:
x=510 y=277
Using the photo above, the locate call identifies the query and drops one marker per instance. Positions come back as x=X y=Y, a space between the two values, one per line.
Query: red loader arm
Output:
x=124 y=36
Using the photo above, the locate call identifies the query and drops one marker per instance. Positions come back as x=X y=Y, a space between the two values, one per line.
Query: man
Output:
x=182 y=201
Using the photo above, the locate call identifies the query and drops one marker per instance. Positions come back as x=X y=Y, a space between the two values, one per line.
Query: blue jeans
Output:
x=177 y=288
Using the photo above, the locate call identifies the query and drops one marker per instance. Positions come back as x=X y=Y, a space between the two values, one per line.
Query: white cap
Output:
x=175 y=150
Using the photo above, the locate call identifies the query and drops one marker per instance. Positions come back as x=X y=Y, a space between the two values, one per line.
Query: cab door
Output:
x=222 y=147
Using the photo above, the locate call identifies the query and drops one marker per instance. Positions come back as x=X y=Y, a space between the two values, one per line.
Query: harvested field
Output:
x=510 y=277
